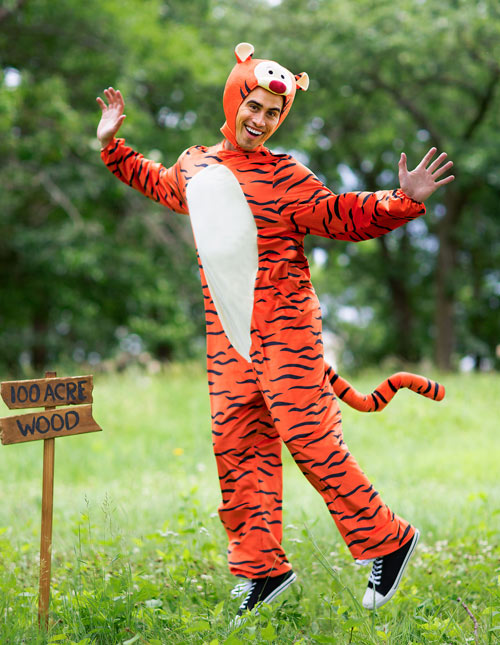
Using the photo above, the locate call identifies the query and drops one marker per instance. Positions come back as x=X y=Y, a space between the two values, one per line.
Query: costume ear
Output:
x=243 y=51
x=302 y=80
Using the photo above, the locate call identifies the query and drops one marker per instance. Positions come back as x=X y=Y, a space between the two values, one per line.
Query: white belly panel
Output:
x=226 y=237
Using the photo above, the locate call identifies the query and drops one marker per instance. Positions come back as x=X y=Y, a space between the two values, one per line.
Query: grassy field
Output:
x=139 y=553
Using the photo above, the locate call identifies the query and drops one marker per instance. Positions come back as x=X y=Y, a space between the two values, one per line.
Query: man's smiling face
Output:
x=257 y=118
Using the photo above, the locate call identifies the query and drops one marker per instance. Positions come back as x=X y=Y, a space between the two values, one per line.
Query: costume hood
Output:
x=248 y=74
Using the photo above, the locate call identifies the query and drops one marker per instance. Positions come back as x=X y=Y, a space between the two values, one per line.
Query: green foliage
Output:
x=77 y=253
x=80 y=252
x=139 y=552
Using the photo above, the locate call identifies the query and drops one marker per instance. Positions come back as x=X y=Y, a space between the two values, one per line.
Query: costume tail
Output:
x=383 y=394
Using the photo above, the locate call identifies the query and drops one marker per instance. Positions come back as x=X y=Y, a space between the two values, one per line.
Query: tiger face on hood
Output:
x=247 y=75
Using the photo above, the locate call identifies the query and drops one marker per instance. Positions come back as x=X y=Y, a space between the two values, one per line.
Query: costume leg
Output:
x=290 y=367
x=248 y=454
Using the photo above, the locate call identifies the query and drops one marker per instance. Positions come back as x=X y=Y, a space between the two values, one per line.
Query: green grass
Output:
x=139 y=553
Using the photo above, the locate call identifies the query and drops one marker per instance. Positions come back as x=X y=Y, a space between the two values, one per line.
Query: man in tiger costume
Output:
x=250 y=210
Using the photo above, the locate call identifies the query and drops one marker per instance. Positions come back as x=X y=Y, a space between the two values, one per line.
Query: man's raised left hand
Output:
x=419 y=184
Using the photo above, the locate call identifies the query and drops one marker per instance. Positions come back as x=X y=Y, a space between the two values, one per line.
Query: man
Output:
x=250 y=210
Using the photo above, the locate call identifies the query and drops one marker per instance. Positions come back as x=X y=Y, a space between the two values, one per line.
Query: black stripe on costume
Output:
x=351 y=517
x=362 y=528
x=284 y=167
x=391 y=385
x=369 y=548
x=324 y=479
x=377 y=393
x=369 y=517
x=351 y=492
x=298 y=436
x=259 y=528
x=322 y=463
x=405 y=534
x=282 y=179
x=301 y=181
x=358 y=541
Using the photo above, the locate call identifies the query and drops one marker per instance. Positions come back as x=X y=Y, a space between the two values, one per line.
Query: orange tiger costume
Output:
x=268 y=380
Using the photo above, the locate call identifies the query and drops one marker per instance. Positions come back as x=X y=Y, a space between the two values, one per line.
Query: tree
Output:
x=79 y=252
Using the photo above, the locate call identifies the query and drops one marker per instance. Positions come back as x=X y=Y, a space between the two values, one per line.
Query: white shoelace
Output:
x=241 y=588
x=251 y=587
x=376 y=572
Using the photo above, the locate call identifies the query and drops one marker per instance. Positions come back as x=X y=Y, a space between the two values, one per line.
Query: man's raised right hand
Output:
x=112 y=115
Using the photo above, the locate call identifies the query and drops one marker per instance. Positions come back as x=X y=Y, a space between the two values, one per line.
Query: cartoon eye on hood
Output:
x=248 y=74
x=273 y=77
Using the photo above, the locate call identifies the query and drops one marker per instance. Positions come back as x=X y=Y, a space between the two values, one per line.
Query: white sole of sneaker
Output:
x=372 y=599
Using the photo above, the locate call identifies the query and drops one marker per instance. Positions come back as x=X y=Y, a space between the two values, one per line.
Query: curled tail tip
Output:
x=440 y=393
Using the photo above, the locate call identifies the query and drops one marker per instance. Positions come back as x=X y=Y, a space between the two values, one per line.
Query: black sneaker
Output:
x=386 y=574
x=264 y=590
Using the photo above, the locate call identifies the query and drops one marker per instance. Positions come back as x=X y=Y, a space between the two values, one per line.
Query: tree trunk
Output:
x=39 y=352
x=404 y=344
x=7 y=13
x=445 y=280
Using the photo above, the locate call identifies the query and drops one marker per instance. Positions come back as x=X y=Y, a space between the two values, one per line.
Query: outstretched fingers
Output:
x=427 y=158
x=444 y=181
x=101 y=103
x=112 y=115
x=437 y=168
x=440 y=171
x=437 y=162
x=119 y=98
x=420 y=183
x=114 y=98
x=110 y=92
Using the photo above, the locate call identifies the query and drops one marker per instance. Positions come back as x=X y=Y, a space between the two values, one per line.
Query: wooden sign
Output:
x=48 y=424
x=47 y=392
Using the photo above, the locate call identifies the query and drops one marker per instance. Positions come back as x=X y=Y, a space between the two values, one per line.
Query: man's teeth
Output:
x=252 y=131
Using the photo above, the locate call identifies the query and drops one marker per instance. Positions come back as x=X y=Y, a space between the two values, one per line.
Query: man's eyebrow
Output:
x=274 y=109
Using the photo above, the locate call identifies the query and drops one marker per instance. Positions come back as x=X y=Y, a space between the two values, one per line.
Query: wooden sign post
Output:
x=48 y=393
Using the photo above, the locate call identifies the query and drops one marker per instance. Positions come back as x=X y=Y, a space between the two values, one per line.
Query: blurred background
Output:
x=94 y=274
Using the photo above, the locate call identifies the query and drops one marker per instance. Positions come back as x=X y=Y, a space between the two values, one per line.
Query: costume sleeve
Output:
x=312 y=208
x=157 y=182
